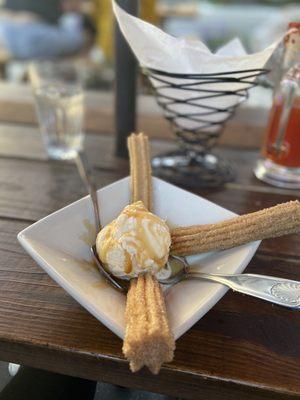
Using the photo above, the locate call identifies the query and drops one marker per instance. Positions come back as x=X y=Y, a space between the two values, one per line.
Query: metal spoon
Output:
x=283 y=292
x=86 y=174
x=279 y=291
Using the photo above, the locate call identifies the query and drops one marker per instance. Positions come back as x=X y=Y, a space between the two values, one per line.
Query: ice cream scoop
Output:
x=136 y=241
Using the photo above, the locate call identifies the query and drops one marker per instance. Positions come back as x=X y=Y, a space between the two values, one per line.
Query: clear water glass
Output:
x=60 y=108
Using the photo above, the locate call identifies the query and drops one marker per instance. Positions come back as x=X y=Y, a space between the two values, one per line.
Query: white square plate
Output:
x=59 y=244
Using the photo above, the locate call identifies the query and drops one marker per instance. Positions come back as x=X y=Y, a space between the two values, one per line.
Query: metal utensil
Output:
x=283 y=292
x=121 y=284
x=86 y=174
x=280 y=291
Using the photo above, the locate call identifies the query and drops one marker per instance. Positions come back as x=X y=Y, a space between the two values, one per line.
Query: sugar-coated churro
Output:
x=279 y=220
x=140 y=169
x=148 y=338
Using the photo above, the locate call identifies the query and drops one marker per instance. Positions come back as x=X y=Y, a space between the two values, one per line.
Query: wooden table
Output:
x=242 y=349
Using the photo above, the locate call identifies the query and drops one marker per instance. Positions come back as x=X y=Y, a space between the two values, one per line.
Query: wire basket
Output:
x=197 y=107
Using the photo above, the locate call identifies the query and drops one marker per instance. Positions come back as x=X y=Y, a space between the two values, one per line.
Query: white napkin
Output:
x=156 y=49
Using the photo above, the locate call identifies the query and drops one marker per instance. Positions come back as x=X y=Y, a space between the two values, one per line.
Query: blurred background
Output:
x=82 y=30
x=82 y=33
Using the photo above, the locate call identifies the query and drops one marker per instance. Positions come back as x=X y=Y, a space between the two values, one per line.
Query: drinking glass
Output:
x=59 y=105
x=279 y=164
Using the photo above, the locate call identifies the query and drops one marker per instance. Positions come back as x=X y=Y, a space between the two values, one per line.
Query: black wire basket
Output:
x=197 y=107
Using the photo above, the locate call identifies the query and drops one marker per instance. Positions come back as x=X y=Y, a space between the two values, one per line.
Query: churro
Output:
x=279 y=220
x=140 y=169
x=148 y=338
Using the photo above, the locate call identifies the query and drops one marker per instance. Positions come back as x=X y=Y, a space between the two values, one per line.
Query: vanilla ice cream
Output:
x=137 y=241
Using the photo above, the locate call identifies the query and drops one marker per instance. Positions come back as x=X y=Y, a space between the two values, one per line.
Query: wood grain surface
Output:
x=241 y=349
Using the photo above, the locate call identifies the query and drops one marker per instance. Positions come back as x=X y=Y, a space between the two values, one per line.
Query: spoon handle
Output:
x=86 y=175
x=283 y=292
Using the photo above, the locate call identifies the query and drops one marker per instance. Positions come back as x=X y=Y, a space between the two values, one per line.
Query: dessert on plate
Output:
x=136 y=241
x=137 y=244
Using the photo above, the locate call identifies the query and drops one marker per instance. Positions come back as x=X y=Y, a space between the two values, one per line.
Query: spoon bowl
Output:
x=121 y=283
